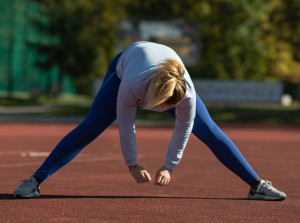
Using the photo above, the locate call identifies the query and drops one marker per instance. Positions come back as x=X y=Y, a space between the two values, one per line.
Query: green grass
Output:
x=257 y=115
x=68 y=110
x=242 y=114
x=26 y=100
x=18 y=101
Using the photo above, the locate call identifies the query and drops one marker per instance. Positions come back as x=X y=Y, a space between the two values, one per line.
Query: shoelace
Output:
x=25 y=180
x=266 y=183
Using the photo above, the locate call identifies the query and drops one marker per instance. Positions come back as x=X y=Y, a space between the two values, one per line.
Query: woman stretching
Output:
x=153 y=77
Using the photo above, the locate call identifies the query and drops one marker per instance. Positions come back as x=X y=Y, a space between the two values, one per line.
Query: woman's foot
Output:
x=29 y=188
x=265 y=191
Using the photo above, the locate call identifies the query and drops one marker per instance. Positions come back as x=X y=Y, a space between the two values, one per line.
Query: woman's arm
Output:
x=126 y=113
x=185 y=114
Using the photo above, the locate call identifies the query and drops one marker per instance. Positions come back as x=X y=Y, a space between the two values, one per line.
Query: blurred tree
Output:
x=84 y=38
x=239 y=39
x=232 y=39
x=72 y=48
x=256 y=39
x=230 y=33
x=283 y=40
x=103 y=26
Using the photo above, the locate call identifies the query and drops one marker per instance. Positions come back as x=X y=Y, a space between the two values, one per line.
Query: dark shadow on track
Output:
x=10 y=197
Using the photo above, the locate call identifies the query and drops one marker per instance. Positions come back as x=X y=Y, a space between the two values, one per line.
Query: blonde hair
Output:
x=167 y=84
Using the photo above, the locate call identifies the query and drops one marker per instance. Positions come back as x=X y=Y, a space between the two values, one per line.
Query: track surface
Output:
x=96 y=185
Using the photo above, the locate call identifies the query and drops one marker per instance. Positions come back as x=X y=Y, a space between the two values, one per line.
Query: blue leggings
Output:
x=103 y=113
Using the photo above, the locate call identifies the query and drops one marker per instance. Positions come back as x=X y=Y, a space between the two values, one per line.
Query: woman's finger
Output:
x=163 y=181
x=166 y=181
x=137 y=179
x=147 y=176
x=141 y=178
x=159 y=180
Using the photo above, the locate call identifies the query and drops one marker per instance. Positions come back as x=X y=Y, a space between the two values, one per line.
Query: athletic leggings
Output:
x=103 y=113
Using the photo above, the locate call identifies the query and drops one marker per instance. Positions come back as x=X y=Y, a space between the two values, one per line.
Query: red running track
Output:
x=96 y=185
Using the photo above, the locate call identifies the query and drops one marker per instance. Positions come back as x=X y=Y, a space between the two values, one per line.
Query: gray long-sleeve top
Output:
x=136 y=64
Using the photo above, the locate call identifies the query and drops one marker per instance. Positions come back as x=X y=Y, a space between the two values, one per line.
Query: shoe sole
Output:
x=31 y=195
x=265 y=198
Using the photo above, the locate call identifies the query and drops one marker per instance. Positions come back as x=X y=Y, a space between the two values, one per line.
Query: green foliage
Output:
x=284 y=40
x=239 y=39
x=231 y=36
x=72 y=48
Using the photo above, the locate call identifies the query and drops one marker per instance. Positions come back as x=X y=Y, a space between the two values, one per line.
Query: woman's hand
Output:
x=140 y=174
x=163 y=176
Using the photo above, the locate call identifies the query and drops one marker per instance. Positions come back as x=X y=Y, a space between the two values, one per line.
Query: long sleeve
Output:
x=185 y=114
x=135 y=67
x=126 y=114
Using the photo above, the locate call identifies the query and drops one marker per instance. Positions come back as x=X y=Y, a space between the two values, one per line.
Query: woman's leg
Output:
x=224 y=149
x=100 y=116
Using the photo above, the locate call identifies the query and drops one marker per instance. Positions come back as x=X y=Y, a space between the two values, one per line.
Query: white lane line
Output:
x=10 y=153
x=34 y=154
x=24 y=154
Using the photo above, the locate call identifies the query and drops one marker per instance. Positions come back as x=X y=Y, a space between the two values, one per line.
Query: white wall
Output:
x=237 y=92
x=232 y=92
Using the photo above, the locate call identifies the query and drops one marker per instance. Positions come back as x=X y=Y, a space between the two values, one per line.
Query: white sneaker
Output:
x=265 y=191
x=29 y=188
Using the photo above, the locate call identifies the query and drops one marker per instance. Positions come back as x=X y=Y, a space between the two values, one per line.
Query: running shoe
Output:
x=29 y=188
x=265 y=191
